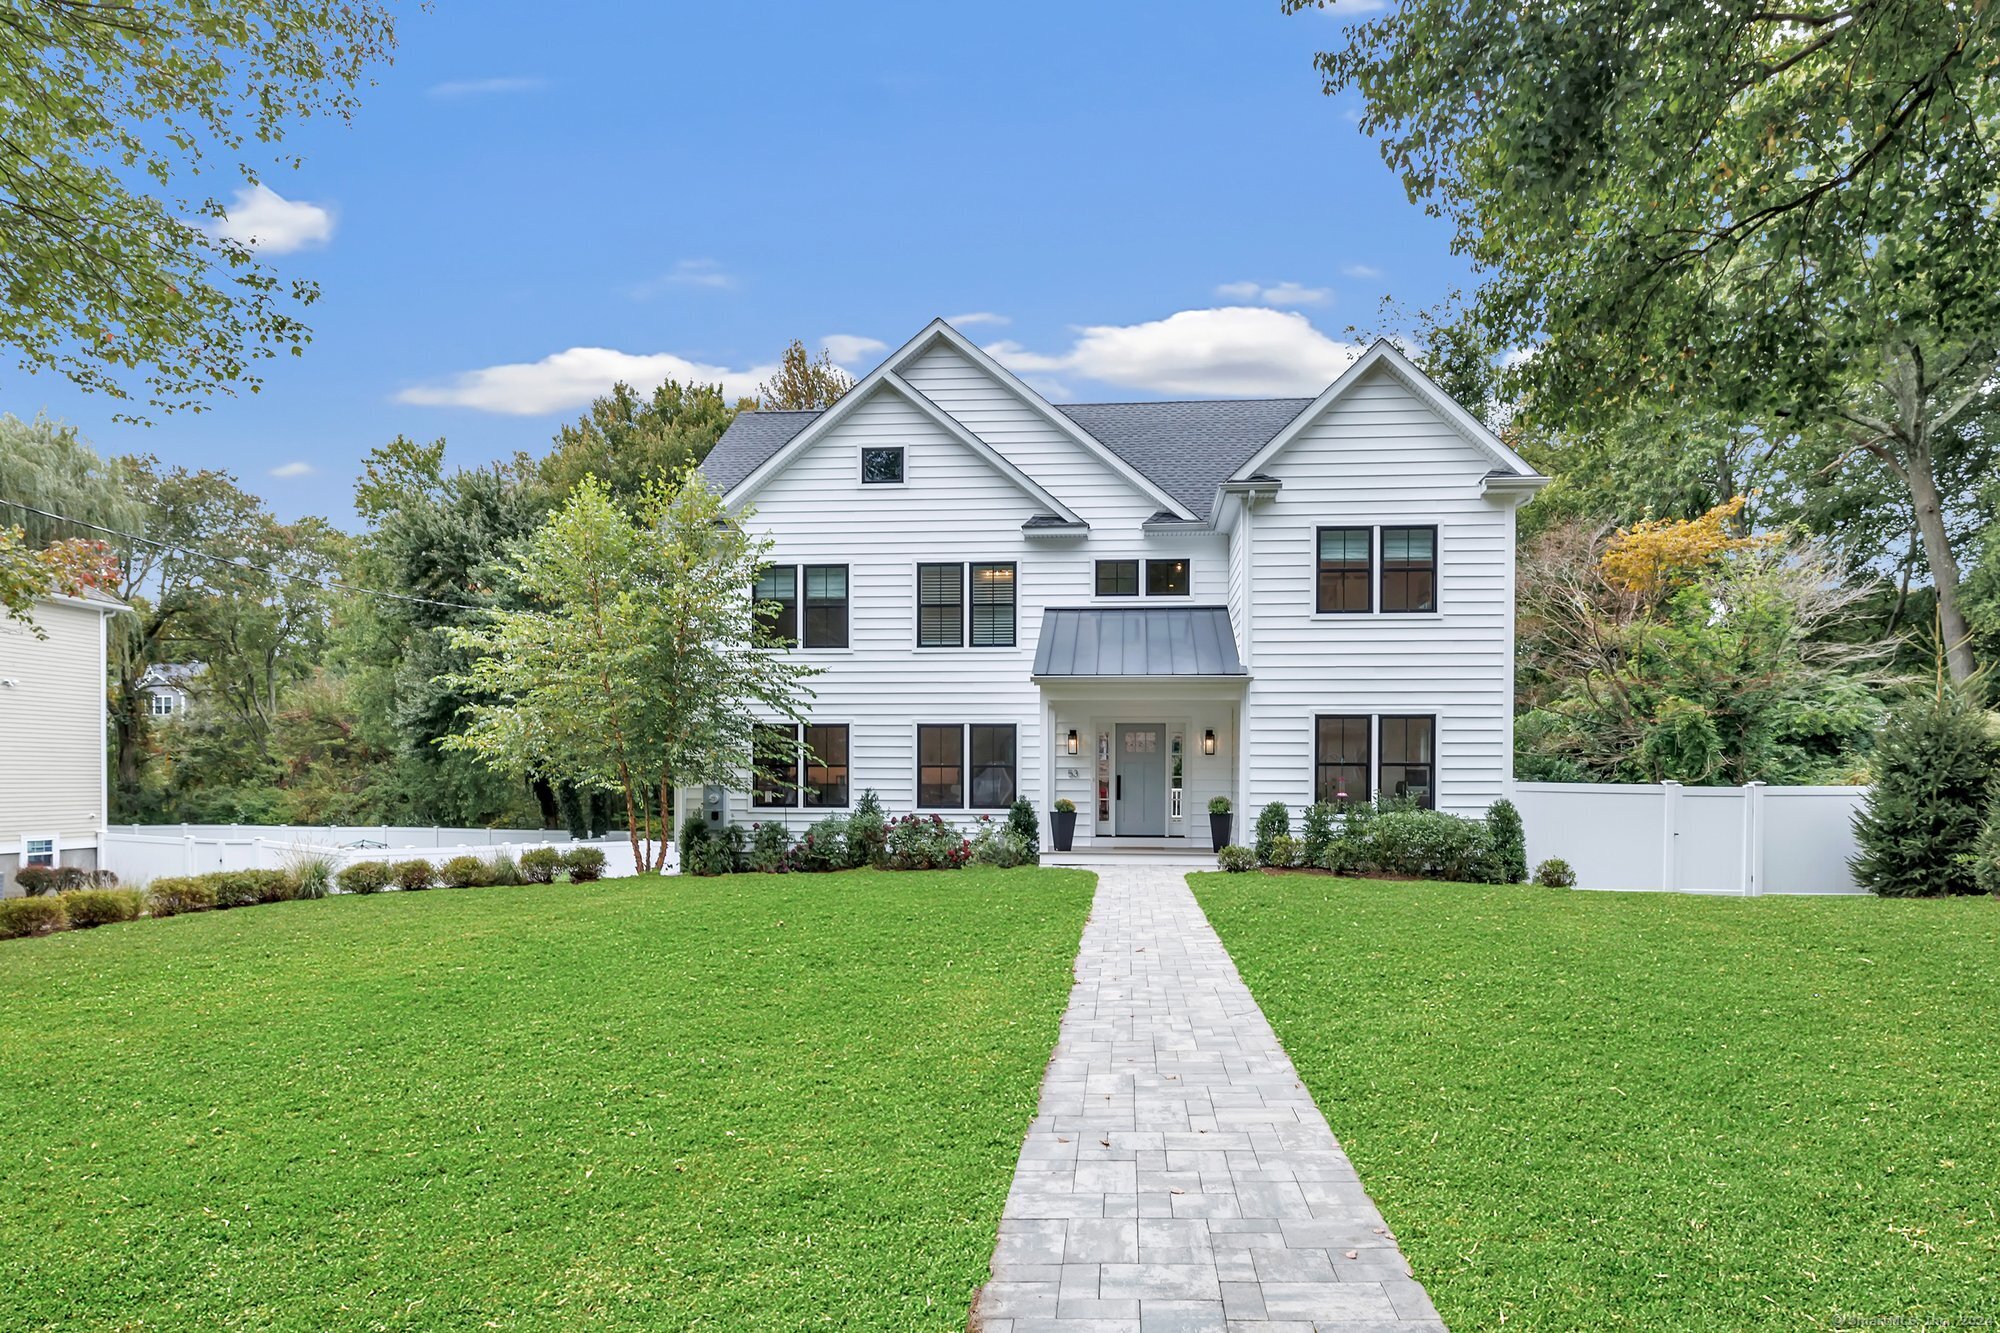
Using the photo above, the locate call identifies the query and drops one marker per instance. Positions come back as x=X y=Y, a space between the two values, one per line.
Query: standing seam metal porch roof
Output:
x=1115 y=641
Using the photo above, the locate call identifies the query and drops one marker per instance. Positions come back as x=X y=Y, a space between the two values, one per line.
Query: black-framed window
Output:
x=882 y=465
x=779 y=584
x=1118 y=578
x=940 y=767
x=993 y=606
x=826 y=606
x=1168 y=578
x=1409 y=759
x=993 y=767
x=940 y=606
x=826 y=765
x=774 y=782
x=1409 y=569
x=1340 y=759
x=1345 y=566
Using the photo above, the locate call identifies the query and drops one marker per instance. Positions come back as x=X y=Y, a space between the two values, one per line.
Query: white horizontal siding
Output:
x=1379 y=456
x=51 y=726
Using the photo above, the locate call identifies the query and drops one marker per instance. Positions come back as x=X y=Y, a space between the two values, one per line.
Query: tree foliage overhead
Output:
x=1773 y=211
x=803 y=384
x=112 y=272
x=627 y=441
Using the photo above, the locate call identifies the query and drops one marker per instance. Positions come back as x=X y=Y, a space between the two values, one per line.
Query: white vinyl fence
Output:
x=1748 y=840
x=346 y=835
x=140 y=857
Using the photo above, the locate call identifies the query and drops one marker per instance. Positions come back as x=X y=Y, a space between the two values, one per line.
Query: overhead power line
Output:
x=239 y=563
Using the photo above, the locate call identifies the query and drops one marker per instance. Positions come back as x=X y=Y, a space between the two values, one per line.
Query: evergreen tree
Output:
x=1510 y=841
x=1933 y=774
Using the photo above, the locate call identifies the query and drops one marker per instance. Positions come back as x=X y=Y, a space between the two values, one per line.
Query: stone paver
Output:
x=1177 y=1176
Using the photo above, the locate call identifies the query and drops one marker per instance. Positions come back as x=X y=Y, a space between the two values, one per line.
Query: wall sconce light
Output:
x=1208 y=742
x=1072 y=742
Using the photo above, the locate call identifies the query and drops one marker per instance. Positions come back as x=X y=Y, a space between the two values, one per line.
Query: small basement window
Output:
x=882 y=466
x=38 y=851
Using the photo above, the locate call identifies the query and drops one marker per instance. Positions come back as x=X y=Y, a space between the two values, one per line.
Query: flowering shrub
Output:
x=926 y=842
x=770 y=847
x=824 y=847
x=999 y=845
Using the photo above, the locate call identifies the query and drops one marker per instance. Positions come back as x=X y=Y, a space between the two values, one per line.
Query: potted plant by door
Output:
x=1219 y=820
x=1062 y=823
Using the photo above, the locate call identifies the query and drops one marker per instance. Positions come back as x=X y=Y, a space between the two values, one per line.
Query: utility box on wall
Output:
x=715 y=805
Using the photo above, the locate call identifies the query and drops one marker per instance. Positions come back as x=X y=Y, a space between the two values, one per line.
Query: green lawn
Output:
x=1650 y=1111
x=753 y=1102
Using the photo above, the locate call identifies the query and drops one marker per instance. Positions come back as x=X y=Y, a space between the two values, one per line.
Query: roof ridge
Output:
x=1180 y=402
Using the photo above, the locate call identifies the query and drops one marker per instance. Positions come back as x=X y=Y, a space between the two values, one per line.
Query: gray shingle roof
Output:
x=1187 y=449
x=1137 y=641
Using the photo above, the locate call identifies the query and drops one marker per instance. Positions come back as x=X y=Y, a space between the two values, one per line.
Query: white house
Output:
x=169 y=686
x=54 y=776
x=1138 y=606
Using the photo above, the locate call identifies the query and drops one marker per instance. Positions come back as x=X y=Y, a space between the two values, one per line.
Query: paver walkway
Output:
x=1178 y=1176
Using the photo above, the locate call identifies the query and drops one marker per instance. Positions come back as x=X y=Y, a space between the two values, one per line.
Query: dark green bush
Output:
x=1274 y=821
x=1280 y=852
x=1510 y=841
x=1554 y=873
x=539 y=865
x=1024 y=823
x=585 y=864
x=36 y=880
x=413 y=874
x=822 y=847
x=868 y=833
x=1236 y=858
x=1320 y=826
x=364 y=877
x=178 y=894
x=713 y=853
x=247 y=888
x=1934 y=768
x=465 y=872
x=770 y=848
x=1219 y=805
x=37 y=915
x=102 y=907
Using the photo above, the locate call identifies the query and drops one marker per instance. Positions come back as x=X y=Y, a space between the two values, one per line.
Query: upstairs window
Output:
x=1409 y=759
x=1344 y=571
x=1409 y=569
x=826 y=606
x=1167 y=578
x=882 y=466
x=1118 y=578
x=1340 y=759
x=993 y=606
x=778 y=584
x=162 y=705
x=940 y=606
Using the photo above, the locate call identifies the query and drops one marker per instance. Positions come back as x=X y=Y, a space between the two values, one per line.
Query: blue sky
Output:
x=1142 y=202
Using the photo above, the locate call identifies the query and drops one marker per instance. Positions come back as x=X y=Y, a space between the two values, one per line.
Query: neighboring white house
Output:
x=1138 y=606
x=54 y=779
x=168 y=687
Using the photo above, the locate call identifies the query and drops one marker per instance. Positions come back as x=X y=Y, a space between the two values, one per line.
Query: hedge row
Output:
x=865 y=839
x=78 y=909
x=38 y=880
x=1390 y=838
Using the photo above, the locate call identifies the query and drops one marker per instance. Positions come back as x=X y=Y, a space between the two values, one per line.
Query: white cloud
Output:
x=266 y=220
x=298 y=467
x=513 y=83
x=1279 y=293
x=571 y=378
x=976 y=317
x=687 y=273
x=848 y=348
x=1361 y=270
x=1244 y=350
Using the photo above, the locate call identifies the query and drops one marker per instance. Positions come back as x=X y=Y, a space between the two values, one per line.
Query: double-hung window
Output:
x=788 y=776
x=162 y=705
x=826 y=606
x=940 y=606
x=38 y=851
x=777 y=595
x=1340 y=759
x=993 y=606
x=1409 y=759
x=1409 y=569
x=1344 y=571
x=1404 y=769
x=967 y=767
x=943 y=604
x=1348 y=582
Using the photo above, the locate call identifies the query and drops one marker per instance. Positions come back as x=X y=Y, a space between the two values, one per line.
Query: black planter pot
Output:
x=1062 y=828
x=1218 y=830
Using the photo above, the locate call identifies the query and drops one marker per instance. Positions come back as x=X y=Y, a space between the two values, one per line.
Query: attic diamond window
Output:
x=882 y=467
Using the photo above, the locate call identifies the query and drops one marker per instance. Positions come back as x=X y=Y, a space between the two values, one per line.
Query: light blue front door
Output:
x=1141 y=768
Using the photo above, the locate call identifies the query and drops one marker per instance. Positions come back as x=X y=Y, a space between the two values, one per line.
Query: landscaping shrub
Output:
x=1000 y=845
x=177 y=894
x=1510 y=841
x=36 y=880
x=1934 y=769
x=102 y=879
x=1217 y=805
x=246 y=888
x=585 y=864
x=539 y=864
x=1065 y=806
x=71 y=878
x=713 y=853
x=1026 y=825
x=1273 y=821
x=502 y=868
x=464 y=872
x=1318 y=833
x=313 y=873
x=868 y=833
x=37 y=915
x=770 y=847
x=102 y=907
x=823 y=847
x=274 y=886
x=1555 y=873
x=413 y=874
x=1423 y=844
x=364 y=877
x=1236 y=858
x=1279 y=851
x=926 y=842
